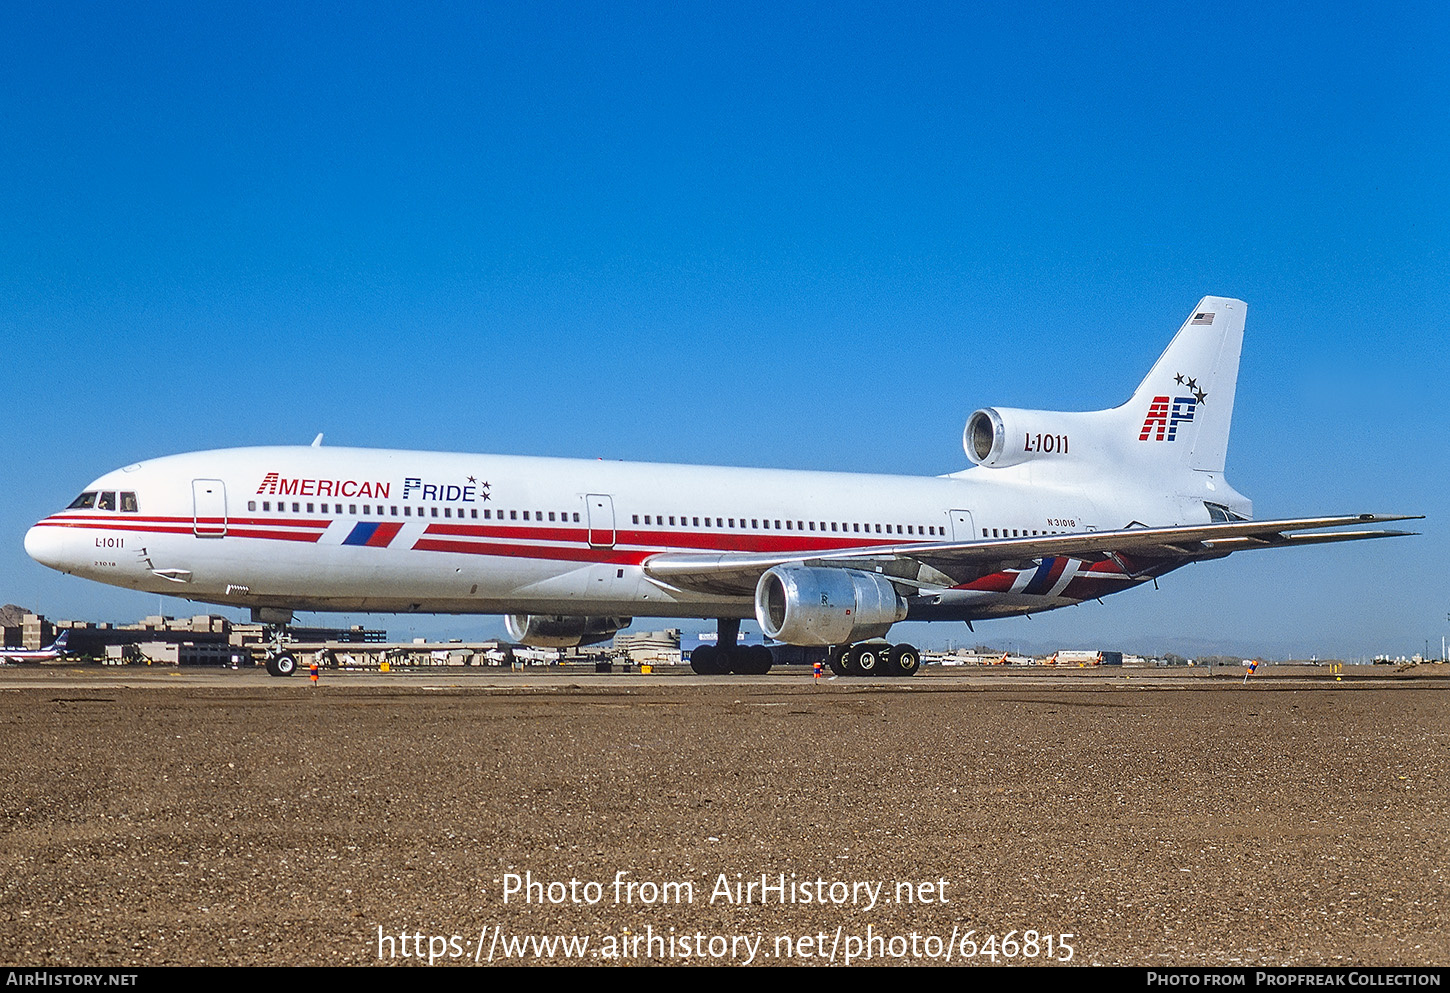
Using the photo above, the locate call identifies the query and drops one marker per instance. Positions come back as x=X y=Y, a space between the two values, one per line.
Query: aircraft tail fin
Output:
x=58 y=645
x=1187 y=399
x=1177 y=420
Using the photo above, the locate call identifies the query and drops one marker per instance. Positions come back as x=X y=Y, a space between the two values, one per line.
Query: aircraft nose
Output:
x=46 y=545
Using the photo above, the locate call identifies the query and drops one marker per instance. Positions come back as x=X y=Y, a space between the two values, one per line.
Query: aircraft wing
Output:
x=942 y=564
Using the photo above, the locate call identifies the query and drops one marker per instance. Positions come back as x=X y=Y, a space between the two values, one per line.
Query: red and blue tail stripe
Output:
x=1046 y=576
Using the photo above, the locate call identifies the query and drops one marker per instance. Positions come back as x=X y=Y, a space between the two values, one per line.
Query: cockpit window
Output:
x=128 y=503
x=106 y=501
x=83 y=502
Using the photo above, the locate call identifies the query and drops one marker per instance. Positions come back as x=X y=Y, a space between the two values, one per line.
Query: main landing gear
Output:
x=725 y=656
x=875 y=658
x=743 y=660
x=865 y=658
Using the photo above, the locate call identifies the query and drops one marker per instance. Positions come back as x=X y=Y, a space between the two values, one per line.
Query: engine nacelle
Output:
x=804 y=606
x=562 y=631
x=1001 y=436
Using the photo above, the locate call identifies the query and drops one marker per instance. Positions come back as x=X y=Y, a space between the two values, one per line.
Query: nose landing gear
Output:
x=281 y=663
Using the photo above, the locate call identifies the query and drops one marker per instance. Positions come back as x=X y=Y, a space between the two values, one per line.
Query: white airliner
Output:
x=49 y=653
x=1059 y=508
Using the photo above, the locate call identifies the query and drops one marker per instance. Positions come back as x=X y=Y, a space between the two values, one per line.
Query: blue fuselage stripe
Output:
x=360 y=534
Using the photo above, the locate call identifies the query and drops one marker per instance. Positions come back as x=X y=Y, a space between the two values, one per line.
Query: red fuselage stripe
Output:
x=123 y=520
x=575 y=554
x=687 y=541
x=233 y=530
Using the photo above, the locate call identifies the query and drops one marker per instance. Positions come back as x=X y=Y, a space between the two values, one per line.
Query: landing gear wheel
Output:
x=752 y=660
x=837 y=661
x=868 y=660
x=906 y=660
x=709 y=660
x=282 y=665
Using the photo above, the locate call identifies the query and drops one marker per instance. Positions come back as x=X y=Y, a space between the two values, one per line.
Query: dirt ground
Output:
x=242 y=820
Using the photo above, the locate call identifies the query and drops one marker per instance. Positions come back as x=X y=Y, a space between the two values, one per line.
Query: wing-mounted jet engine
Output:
x=558 y=631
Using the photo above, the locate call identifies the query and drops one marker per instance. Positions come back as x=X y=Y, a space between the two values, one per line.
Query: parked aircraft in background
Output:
x=1058 y=508
x=54 y=650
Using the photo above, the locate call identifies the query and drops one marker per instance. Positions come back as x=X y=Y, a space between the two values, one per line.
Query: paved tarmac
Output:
x=1140 y=817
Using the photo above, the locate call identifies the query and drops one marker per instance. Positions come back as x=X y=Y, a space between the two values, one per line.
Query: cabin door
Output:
x=209 y=507
x=962 y=529
x=601 y=520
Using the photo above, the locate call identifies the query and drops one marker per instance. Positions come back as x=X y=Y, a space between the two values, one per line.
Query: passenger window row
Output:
x=767 y=524
x=378 y=510
x=563 y=516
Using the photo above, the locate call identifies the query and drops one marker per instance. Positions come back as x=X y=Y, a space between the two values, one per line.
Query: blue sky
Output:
x=778 y=235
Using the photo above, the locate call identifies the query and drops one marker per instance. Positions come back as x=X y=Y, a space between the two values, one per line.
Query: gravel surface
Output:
x=250 y=821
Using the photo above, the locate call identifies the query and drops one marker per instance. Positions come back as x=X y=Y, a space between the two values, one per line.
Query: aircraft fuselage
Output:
x=336 y=529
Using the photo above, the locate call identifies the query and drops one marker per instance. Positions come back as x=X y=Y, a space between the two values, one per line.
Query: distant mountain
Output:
x=11 y=616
